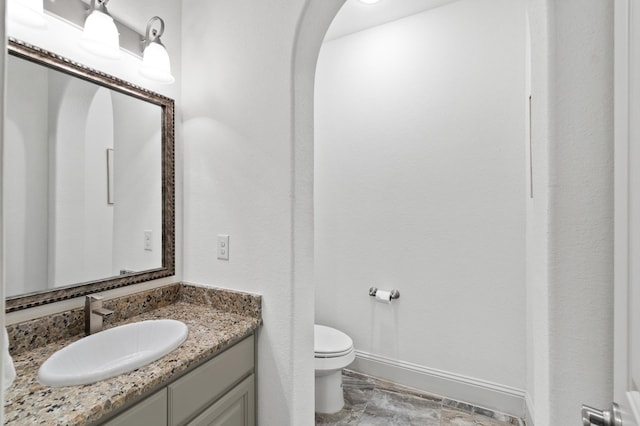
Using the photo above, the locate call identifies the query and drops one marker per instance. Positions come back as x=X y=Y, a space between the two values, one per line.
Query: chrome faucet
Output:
x=94 y=314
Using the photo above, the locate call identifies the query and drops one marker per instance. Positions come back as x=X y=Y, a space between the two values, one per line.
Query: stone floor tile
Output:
x=357 y=377
x=371 y=401
x=356 y=398
x=345 y=417
x=457 y=405
x=400 y=409
x=460 y=418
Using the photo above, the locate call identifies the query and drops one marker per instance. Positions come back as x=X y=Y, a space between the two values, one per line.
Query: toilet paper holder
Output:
x=395 y=294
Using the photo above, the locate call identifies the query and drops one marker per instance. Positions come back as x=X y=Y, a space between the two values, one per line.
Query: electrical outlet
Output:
x=223 y=247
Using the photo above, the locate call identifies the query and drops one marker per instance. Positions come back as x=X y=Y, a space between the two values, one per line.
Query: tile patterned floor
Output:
x=372 y=402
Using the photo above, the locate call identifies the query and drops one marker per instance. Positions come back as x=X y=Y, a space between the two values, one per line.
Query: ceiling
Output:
x=356 y=16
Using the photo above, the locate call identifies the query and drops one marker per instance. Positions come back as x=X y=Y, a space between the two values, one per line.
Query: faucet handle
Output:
x=97 y=307
x=94 y=297
x=102 y=312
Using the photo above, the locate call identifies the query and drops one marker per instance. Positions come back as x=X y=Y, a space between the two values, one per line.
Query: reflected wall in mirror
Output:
x=88 y=180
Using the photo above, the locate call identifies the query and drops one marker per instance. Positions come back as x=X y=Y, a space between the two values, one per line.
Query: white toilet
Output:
x=333 y=352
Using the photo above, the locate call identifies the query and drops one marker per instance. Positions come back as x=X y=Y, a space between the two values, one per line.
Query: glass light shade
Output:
x=156 y=65
x=100 y=36
x=369 y=1
x=29 y=13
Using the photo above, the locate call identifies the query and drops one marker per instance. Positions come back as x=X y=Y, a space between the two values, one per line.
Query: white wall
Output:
x=239 y=168
x=538 y=211
x=420 y=186
x=570 y=219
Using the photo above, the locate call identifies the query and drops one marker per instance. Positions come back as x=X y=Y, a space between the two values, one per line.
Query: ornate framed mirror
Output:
x=89 y=192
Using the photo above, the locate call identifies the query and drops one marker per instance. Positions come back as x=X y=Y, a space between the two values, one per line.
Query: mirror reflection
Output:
x=83 y=181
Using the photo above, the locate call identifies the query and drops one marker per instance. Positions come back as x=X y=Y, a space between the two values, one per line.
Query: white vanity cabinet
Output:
x=220 y=392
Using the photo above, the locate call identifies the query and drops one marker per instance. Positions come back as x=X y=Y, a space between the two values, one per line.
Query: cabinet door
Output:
x=236 y=408
x=193 y=393
x=150 y=412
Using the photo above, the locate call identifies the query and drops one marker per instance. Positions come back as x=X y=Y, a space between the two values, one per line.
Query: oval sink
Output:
x=112 y=352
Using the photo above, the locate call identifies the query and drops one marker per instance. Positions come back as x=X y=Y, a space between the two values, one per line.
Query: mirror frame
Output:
x=54 y=61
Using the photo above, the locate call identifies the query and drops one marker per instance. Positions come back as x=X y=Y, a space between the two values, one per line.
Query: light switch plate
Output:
x=223 y=247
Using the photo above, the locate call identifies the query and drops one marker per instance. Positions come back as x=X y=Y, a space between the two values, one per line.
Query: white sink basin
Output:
x=112 y=352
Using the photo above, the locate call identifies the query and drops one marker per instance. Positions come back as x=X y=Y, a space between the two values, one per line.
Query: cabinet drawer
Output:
x=150 y=412
x=191 y=394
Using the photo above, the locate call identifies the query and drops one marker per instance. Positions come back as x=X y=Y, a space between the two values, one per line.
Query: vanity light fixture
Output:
x=106 y=37
x=100 y=35
x=156 y=65
x=29 y=13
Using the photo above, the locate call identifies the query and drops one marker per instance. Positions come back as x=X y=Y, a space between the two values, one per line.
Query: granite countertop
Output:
x=27 y=402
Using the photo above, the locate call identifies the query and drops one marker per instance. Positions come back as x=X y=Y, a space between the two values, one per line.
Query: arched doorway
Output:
x=571 y=77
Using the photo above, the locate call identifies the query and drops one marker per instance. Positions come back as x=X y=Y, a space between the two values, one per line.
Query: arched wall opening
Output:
x=571 y=78
x=420 y=185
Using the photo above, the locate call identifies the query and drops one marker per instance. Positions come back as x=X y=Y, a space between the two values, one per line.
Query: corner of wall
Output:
x=529 y=410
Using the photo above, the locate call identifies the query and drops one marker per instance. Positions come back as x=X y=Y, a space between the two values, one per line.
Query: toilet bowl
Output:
x=333 y=352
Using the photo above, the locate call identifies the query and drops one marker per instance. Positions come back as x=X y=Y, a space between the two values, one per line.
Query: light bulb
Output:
x=369 y=1
x=156 y=65
x=100 y=36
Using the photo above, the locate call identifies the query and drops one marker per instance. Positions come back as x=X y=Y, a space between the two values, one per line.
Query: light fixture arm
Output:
x=152 y=34
x=100 y=5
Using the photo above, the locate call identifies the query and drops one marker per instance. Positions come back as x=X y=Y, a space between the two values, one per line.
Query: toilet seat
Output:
x=333 y=352
x=333 y=349
x=331 y=343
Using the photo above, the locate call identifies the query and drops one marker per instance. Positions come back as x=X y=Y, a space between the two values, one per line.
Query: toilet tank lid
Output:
x=328 y=340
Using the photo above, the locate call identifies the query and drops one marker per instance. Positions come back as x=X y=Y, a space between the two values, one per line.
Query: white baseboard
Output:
x=474 y=391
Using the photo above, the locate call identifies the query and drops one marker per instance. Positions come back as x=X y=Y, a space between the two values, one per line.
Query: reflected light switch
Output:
x=148 y=240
